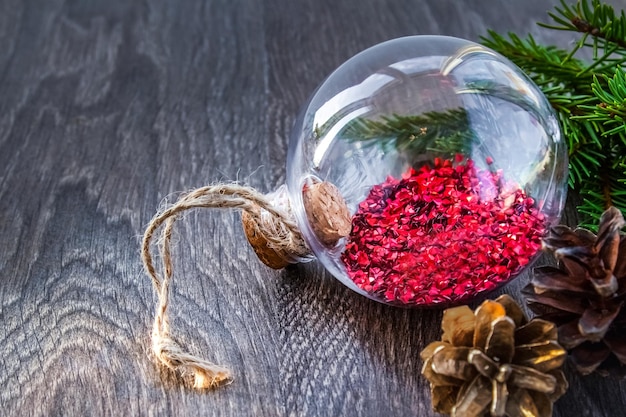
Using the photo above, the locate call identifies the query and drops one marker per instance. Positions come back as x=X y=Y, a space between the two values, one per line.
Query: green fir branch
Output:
x=440 y=132
x=589 y=97
x=596 y=19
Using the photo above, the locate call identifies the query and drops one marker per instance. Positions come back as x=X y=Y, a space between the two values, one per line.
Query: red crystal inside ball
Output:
x=441 y=234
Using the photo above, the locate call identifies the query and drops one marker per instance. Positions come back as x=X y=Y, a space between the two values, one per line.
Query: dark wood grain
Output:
x=109 y=106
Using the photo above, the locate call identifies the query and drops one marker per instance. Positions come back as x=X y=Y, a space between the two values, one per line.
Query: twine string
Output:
x=275 y=224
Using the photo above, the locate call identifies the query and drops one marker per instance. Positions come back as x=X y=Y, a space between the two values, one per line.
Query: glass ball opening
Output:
x=451 y=163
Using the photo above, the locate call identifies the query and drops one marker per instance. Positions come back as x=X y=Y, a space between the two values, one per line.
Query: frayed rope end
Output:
x=201 y=373
x=210 y=378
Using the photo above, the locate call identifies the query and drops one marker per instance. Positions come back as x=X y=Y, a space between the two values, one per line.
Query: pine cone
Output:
x=494 y=361
x=584 y=297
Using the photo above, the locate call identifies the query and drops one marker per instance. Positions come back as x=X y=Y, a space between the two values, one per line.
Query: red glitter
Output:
x=441 y=235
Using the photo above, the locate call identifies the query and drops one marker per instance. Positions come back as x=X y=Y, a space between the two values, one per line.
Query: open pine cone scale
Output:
x=584 y=296
x=494 y=362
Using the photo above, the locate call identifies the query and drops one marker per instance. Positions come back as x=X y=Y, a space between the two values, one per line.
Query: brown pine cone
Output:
x=585 y=295
x=493 y=362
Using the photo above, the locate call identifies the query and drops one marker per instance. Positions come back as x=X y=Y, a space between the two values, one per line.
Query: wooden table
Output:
x=107 y=108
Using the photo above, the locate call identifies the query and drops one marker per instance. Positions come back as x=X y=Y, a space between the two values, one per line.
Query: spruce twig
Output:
x=589 y=97
x=440 y=132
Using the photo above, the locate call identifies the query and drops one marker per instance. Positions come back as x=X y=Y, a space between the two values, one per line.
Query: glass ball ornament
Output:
x=449 y=161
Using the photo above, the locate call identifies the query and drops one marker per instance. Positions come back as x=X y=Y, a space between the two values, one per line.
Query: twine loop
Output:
x=272 y=221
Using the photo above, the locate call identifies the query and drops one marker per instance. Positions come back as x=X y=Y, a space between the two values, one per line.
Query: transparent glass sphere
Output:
x=450 y=162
